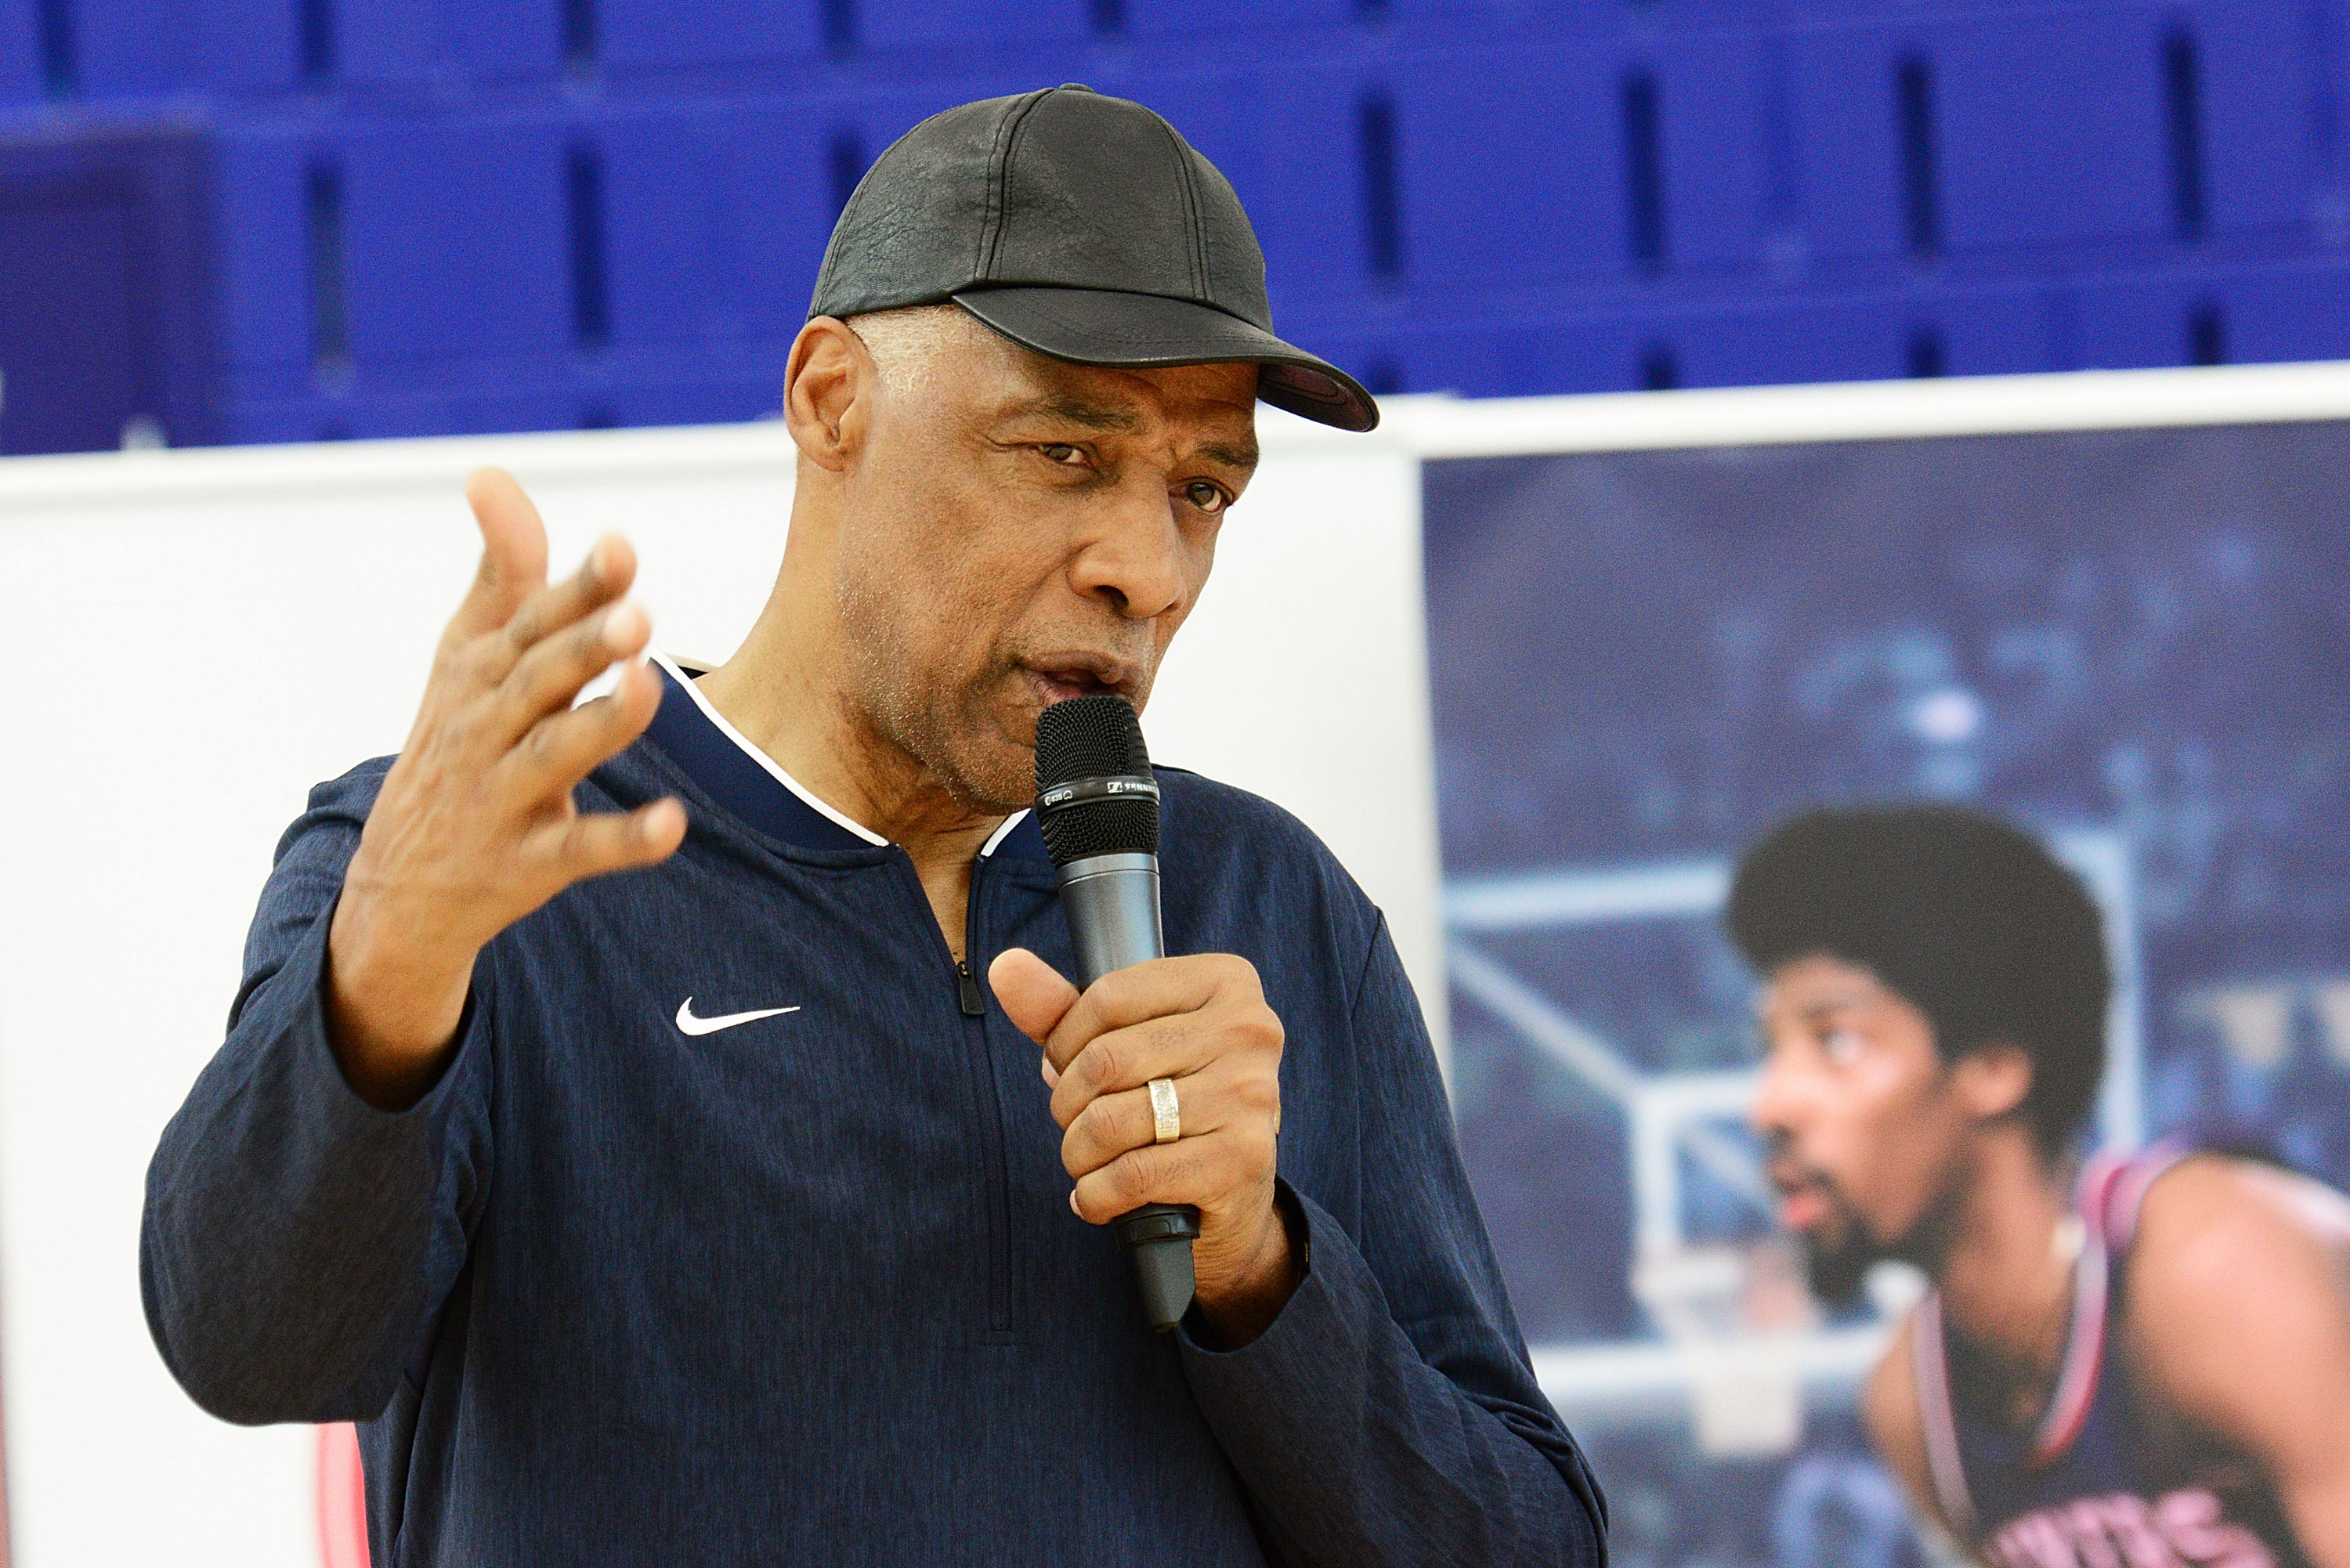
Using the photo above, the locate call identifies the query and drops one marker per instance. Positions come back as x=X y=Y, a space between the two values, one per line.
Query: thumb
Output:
x=1031 y=992
x=514 y=550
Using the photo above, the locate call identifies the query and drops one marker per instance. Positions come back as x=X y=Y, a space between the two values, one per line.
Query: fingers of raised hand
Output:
x=608 y=572
x=513 y=553
x=563 y=747
x=486 y=651
x=581 y=845
x=549 y=676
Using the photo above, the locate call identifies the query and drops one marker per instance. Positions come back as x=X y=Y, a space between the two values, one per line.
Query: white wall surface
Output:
x=193 y=638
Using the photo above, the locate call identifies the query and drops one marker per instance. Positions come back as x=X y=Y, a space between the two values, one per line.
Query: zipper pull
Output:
x=973 y=1004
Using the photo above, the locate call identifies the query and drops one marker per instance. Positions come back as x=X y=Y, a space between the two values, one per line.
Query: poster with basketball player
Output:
x=1898 y=898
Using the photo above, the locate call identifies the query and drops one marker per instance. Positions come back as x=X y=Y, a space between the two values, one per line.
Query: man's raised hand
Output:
x=474 y=827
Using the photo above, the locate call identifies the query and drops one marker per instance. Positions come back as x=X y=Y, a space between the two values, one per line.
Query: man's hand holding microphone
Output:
x=1200 y=1021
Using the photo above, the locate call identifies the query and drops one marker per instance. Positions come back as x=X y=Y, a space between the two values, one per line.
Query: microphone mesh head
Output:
x=1093 y=737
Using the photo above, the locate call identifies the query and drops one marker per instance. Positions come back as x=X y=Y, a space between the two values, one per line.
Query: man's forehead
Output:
x=1819 y=984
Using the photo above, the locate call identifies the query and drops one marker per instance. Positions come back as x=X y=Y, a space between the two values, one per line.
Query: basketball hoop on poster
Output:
x=1737 y=1316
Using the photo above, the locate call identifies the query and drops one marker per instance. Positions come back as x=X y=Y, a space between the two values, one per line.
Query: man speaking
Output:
x=633 y=1112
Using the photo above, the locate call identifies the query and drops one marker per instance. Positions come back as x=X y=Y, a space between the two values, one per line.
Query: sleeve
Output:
x=1389 y=1414
x=298 y=1242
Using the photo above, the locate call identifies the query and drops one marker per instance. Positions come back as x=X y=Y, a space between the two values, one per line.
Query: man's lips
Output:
x=1057 y=680
x=1803 y=1197
x=1802 y=1209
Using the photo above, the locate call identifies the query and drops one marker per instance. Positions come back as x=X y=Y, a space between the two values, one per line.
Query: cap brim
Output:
x=1138 y=331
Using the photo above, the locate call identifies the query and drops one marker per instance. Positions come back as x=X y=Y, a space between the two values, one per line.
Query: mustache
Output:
x=1789 y=1173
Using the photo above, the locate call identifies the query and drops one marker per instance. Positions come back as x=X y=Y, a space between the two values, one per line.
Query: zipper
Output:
x=998 y=1272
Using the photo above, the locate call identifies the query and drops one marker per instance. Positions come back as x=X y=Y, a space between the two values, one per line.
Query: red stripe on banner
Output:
x=342 y=1499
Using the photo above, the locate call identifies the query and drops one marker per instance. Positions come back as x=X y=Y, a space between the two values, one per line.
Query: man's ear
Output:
x=1992 y=1080
x=828 y=387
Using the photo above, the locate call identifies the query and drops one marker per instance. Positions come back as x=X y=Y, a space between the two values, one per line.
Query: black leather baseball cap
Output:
x=1081 y=226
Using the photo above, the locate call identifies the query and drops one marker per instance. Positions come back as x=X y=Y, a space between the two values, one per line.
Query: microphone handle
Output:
x=1111 y=902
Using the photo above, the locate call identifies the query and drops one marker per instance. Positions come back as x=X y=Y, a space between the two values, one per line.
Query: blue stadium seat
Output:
x=458 y=241
x=2255 y=137
x=1712 y=106
x=261 y=246
x=2140 y=322
x=718 y=218
x=1231 y=18
x=1746 y=345
x=1481 y=355
x=2045 y=128
x=929 y=23
x=386 y=43
x=134 y=48
x=662 y=34
x=430 y=45
x=1846 y=152
x=2001 y=330
x=21 y=77
x=1464 y=14
x=2052 y=128
x=701 y=393
x=2252 y=315
x=1444 y=188
x=2292 y=310
x=1474 y=358
x=1526 y=191
x=502 y=40
x=105 y=302
x=427 y=44
x=1299 y=180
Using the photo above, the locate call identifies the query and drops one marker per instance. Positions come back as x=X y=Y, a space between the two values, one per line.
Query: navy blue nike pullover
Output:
x=807 y=1288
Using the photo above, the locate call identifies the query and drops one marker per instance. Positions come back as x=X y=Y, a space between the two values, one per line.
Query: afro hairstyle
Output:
x=1970 y=919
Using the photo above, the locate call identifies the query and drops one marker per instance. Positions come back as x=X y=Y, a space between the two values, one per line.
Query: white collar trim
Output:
x=768 y=762
x=1003 y=830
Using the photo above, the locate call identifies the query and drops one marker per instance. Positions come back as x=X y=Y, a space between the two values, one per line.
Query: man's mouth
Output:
x=1801 y=1211
x=1804 y=1199
x=1060 y=676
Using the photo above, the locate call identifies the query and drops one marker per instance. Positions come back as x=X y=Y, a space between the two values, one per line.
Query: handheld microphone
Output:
x=1097 y=806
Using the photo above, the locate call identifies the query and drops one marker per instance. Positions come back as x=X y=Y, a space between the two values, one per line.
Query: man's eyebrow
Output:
x=1077 y=412
x=1120 y=420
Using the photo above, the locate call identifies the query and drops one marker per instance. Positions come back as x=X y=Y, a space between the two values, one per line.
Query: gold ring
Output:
x=1166 y=1111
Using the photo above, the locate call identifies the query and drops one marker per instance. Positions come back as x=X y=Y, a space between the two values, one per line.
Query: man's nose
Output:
x=1136 y=561
x=1777 y=1098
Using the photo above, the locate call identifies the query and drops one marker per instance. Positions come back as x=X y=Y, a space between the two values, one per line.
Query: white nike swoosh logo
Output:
x=689 y=1024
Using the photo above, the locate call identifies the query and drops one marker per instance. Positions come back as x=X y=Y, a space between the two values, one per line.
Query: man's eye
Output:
x=1841 y=1046
x=1064 y=454
x=1204 y=496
